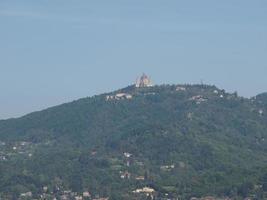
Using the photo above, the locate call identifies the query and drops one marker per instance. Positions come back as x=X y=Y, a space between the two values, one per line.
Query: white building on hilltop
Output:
x=143 y=81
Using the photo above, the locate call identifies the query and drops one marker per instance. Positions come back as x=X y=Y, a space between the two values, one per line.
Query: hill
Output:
x=182 y=141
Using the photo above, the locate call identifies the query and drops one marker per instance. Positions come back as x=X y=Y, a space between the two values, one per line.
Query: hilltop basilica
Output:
x=143 y=81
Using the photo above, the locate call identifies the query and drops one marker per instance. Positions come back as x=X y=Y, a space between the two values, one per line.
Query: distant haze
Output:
x=53 y=52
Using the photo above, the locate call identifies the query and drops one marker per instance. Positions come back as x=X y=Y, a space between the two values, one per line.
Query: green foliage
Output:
x=218 y=145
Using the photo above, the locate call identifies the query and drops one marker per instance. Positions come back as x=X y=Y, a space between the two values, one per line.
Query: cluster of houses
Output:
x=259 y=111
x=198 y=99
x=74 y=195
x=64 y=195
x=26 y=195
x=8 y=150
x=3 y=156
x=167 y=167
x=148 y=192
x=145 y=81
x=119 y=96
x=126 y=174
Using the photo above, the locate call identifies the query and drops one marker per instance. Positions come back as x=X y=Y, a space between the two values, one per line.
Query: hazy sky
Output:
x=55 y=51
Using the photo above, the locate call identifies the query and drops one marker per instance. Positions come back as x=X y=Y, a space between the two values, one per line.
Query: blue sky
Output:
x=55 y=51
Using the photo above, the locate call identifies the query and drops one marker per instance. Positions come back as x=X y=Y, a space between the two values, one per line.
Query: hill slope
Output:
x=180 y=140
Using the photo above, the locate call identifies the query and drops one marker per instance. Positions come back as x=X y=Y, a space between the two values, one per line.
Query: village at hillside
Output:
x=145 y=81
x=199 y=94
x=128 y=165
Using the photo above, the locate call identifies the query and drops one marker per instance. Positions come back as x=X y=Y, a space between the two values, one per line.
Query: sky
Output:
x=56 y=51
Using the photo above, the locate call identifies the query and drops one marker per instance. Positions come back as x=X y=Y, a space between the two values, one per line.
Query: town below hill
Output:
x=144 y=141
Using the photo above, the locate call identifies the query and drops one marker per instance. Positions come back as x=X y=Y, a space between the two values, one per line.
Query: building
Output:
x=179 y=88
x=27 y=194
x=127 y=155
x=146 y=190
x=143 y=81
x=125 y=175
x=86 y=194
x=119 y=96
x=45 y=188
x=167 y=167
x=140 y=178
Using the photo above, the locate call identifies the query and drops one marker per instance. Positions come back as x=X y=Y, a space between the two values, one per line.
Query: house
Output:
x=64 y=197
x=86 y=194
x=208 y=198
x=119 y=96
x=179 y=88
x=127 y=155
x=109 y=97
x=3 y=158
x=128 y=163
x=167 y=167
x=78 y=198
x=128 y=96
x=67 y=192
x=23 y=143
x=140 y=178
x=216 y=92
x=198 y=99
x=146 y=190
x=125 y=175
x=27 y=194
x=45 y=188
x=190 y=116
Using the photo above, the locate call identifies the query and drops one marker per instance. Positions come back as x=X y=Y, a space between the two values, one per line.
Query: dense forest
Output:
x=182 y=141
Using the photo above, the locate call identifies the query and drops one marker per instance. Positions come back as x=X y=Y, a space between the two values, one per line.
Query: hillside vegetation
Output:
x=181 y=140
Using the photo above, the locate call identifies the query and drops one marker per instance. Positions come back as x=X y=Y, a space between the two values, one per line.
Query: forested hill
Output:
x=180 y=140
